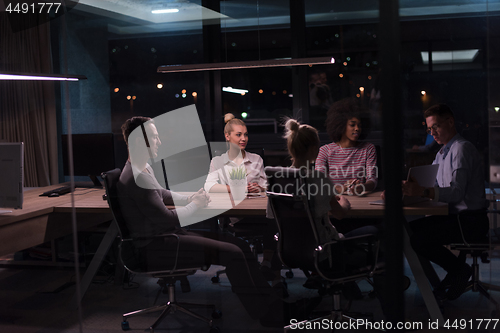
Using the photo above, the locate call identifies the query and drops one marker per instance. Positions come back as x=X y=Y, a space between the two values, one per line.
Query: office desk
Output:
x=360 y=207
x=222 y=205
x=43 y=219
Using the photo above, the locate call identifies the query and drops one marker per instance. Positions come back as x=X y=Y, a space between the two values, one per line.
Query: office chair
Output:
x=479 y=250
x=301 y=244
x=250 y=232
x=167 y=278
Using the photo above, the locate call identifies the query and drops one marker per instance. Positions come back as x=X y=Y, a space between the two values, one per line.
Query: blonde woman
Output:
x=236 y=136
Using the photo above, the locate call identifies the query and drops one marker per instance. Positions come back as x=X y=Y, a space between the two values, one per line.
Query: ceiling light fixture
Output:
x=246 y=64
x=40 y=77
x=234 y=90
x=165 y=11
x=446 y=57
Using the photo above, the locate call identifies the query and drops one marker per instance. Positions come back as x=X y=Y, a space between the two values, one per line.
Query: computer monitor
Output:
x=11 y=175
x=92 y=155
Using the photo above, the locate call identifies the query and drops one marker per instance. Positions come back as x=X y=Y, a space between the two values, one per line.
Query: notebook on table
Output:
x=425 y=175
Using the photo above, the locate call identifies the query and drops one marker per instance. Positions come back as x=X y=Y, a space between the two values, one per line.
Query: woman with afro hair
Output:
x=350 y=162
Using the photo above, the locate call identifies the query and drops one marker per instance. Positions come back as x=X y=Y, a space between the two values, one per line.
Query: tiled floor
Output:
x=31 y=302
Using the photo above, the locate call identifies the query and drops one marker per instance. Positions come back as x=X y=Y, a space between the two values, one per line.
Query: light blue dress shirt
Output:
x=460 y=177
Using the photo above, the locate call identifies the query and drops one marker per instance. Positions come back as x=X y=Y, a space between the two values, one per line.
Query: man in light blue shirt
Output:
x=460 y=183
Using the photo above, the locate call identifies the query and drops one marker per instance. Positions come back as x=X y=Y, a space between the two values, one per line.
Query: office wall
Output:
x=86 y=51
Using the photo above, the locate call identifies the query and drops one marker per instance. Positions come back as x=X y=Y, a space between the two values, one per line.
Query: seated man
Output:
x=460 y=183
x=142 y=202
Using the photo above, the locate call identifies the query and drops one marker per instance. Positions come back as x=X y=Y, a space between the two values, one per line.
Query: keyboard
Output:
x=59 y=190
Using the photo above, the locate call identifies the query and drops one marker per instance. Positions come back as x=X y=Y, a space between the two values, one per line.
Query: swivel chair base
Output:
x=170 y=307
x=492 y=287
x=477 y=286
x=336 y=315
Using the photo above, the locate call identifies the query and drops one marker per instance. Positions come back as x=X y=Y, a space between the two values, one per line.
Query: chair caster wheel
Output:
x=216 y=314
x=289 y=274
x=215 y=279
x=125 y=326
x=214 y=329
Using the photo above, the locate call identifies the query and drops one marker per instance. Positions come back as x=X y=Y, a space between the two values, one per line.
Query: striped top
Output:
x=344 y=164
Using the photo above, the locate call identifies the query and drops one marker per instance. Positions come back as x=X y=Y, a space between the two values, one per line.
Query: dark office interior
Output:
x=397 y=58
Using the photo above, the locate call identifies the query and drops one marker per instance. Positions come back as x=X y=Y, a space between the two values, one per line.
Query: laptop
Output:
x=425 y=175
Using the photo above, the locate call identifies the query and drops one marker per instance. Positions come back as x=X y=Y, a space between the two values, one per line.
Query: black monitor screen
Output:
x=92 y=153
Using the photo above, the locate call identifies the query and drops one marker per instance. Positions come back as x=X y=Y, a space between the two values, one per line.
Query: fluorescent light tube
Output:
x=40 y=77
x=448 y=57
x=246 y=64
x=164 y=11
x=234 y=90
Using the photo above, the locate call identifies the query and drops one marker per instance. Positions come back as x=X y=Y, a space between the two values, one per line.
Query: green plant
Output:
x=238 y=173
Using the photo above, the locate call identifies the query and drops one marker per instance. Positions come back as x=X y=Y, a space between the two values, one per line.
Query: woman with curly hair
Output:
x=350 y=162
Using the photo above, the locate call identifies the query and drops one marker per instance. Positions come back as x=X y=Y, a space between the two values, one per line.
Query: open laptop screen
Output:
x=425 y=175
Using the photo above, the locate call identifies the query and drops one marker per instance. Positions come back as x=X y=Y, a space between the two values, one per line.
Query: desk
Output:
x=360 y=207
x=221 y=205
x=43 y=219
x=46 y=218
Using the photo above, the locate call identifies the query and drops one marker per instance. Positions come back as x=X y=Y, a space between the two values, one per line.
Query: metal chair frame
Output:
x=167 y=278
x=332 y=282
x=476 y=250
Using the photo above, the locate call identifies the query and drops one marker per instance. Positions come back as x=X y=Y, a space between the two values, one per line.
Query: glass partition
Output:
x=449 y=54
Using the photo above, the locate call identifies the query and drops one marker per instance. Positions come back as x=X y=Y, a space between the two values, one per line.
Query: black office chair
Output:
x=300 y=244
x=477 y=250
x=167 y=278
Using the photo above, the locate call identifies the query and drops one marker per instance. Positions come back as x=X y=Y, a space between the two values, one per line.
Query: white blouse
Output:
x=220 y=166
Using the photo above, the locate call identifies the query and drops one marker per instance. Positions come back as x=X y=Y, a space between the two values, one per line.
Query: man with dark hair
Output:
x=460 y=183
x=131 y=124
x=143 y=204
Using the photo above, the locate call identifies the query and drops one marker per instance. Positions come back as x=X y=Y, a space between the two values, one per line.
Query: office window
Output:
x=135 y=86
x=346 y=31
x=444 y=63
x=255 y=30
x=266 y=99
